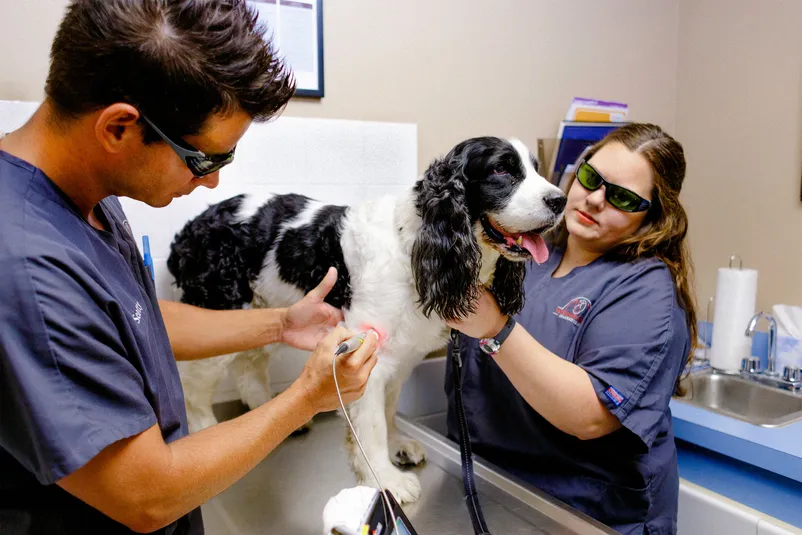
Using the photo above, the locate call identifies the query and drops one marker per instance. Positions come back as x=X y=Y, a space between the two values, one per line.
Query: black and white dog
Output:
x=406 y=264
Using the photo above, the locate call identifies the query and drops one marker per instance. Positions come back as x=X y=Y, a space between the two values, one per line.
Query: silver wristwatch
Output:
x=491 y=346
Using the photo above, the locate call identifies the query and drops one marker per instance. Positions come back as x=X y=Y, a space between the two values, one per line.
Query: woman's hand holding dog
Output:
x=486 y=320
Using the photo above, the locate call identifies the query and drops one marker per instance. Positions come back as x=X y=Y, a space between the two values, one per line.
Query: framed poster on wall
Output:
x=296 y=27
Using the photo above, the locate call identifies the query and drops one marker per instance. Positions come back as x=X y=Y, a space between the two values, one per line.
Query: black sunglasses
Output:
x=199 y=163
x=618 y=197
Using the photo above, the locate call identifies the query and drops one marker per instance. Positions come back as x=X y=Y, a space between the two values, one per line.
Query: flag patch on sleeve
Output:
x=614 y=396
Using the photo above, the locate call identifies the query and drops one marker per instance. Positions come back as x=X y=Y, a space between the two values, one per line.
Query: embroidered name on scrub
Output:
x=137 y=315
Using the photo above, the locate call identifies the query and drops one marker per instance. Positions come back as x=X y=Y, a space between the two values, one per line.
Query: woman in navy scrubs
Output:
x=575 y=398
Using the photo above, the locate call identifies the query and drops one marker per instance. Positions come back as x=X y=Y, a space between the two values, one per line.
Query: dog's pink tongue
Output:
x=536 y=247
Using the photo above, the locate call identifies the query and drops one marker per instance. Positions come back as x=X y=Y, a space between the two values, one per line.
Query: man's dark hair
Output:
x=177 y=61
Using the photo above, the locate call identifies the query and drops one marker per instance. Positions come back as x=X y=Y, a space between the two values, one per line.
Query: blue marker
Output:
x=148 y=260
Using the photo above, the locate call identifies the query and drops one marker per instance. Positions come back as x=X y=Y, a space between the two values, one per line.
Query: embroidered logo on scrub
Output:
x=575 y=311
x=614 y=396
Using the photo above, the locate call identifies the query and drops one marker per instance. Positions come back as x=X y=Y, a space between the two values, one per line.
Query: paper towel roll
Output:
x=736 y=294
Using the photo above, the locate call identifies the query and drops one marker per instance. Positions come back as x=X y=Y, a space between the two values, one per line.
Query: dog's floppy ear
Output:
x=508 y=285
x=445 y=255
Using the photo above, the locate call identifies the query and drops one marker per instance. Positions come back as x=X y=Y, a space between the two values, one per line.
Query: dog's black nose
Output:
x=556 y=203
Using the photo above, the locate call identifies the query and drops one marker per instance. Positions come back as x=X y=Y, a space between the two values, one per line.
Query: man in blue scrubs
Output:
x=93 y=431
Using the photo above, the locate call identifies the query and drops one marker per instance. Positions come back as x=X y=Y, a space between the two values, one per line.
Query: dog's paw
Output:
x=406 y=451
x=405 y=486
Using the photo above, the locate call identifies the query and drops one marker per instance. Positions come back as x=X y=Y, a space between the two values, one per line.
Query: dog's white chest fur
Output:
x=489 y=259
x=376 y=240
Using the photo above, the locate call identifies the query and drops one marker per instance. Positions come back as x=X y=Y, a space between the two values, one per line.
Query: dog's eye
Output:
x=499 y=171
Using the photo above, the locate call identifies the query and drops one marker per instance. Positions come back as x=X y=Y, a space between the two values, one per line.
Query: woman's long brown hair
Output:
x=663 y=233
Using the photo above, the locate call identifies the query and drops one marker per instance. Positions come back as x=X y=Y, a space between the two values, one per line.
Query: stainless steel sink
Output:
x=741 y=398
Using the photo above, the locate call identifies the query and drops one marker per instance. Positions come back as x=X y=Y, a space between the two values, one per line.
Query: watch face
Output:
x=489 y=345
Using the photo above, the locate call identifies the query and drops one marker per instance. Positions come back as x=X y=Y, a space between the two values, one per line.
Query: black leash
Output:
x=471 y=497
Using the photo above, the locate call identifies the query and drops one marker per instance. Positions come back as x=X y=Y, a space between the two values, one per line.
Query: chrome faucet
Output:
x=750 y=332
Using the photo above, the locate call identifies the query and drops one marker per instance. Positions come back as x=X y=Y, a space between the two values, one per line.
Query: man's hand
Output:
x=352 y=370
x=310 y=319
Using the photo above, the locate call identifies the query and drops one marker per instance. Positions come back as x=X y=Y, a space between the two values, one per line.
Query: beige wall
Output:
x=507 y=67
x=456 y=68
x=740 y=67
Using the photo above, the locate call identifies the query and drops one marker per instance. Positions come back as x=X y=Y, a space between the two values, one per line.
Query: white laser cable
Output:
x=347 y=347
